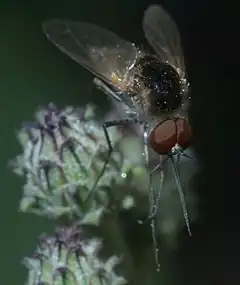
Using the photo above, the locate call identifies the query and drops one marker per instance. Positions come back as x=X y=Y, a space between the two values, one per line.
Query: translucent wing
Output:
x=99 y=51
x=163 y=35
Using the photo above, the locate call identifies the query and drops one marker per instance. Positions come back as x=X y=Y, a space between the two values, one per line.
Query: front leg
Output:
x=105 y=127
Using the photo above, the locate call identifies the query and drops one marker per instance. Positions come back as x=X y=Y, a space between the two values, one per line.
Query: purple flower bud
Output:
x=64 y=152
x=58 y=260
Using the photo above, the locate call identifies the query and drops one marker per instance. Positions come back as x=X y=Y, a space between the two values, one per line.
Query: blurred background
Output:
x=33 y=72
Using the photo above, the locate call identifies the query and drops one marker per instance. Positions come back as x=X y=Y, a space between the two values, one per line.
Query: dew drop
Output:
x=123 y=175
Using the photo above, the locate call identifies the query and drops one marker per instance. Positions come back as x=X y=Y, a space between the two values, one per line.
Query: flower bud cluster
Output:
x=64 y=152
x=67 y=258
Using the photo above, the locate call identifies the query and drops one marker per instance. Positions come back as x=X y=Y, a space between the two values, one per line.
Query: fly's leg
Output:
x=152 y=200
x=181 y=193
x=180 y=153
x=105 y=127
x=155 y=195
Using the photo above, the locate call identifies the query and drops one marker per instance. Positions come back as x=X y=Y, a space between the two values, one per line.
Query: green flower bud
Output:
x=63 y=155
x=67 y=258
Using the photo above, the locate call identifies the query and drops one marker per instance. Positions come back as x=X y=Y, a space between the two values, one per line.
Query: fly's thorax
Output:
x=159 y=86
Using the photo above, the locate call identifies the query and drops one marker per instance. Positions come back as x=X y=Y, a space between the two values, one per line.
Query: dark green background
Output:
x=33 y=72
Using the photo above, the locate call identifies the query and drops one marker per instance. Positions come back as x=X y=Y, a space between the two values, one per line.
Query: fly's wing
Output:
x=163 y=35
x=99 y=51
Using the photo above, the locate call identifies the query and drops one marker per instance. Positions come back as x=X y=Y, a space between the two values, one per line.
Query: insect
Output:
x=151 y=86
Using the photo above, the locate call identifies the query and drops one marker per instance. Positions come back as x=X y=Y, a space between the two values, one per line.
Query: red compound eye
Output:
x=169 y=133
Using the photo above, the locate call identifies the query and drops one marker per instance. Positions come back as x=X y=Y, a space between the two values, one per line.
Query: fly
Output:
x=152 y=86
